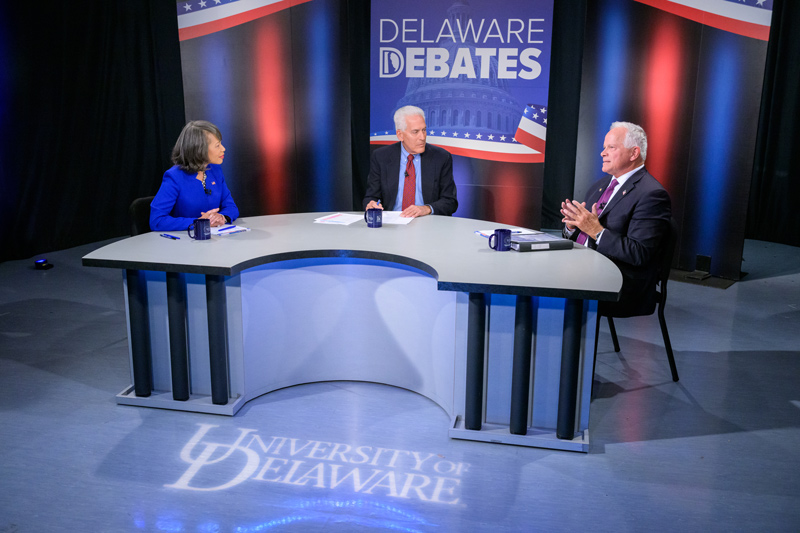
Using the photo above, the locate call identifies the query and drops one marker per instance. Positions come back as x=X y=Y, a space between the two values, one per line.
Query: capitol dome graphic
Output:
x=478 y=105
x=476 y=117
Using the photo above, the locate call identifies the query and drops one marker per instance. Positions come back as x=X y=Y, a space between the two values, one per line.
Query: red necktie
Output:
x=601 y=204
x=410 y=184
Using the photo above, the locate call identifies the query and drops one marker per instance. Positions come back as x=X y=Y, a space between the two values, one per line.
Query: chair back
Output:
x=140 y=215
x=668 y=253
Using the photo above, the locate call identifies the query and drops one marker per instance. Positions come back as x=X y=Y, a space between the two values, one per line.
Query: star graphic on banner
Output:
x=543 y=110
x=217 y=1
x=202 y=3
x=466 y=135
x=513 y=139
x=443 y=133
x=536 y=115
x=479 y=136
x=491 y=137
x=455 y=134
x=526 y=111
x=502 y=137
x=545 y=121
x=187 y=7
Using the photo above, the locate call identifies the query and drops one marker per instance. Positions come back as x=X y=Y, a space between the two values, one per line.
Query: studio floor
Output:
x=717 y=451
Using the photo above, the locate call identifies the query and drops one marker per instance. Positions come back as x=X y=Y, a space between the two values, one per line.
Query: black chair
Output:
x=663 y=277
x=140 y=215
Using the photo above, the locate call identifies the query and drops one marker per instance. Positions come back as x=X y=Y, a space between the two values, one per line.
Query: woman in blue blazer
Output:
x=194 y=187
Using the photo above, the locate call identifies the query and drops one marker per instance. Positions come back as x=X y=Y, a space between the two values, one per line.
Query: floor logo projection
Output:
x=218 y=461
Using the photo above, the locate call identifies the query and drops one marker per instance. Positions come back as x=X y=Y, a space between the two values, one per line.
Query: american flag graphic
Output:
x=526 y=145
x=532 y=130
x=202 y=17
x=750 y=18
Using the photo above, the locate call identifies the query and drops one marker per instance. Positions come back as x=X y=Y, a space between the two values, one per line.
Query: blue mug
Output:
x=373 y=217
x=500 y=240
x=200 y=229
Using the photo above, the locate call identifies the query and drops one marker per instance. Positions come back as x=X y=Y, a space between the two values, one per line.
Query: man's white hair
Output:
x=403 y=113
x=634 y=136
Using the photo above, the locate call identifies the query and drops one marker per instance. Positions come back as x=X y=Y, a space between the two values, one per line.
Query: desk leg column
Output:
x=140 y=333
x=476 y=346
x=178 y=352
x=521 y=374
x=570 y=366
x=217 y=338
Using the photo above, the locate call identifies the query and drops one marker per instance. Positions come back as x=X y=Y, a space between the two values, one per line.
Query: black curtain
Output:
x=90 y=106
x=569 y=19
x=772 y=213
x=358 y=29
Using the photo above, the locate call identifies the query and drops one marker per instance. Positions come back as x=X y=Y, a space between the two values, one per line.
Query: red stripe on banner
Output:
x=480 y=154
x=273 y=133
x=509 y=184
x=748 y=29
x=234 y=20
x=664 y=75
x=530 y=140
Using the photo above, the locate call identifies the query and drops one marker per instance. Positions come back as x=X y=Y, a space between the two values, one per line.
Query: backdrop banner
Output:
x=273 y=75
x=479 y=70
x=696 y=90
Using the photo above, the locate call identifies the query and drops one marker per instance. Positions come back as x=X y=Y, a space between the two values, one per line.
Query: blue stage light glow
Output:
x=718 y=140
x=217 y=108
x=169 y=524
x=321 y=63
x=613 y=66
x=377 y=516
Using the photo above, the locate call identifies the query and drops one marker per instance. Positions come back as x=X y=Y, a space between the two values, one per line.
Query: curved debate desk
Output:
x=498 y=339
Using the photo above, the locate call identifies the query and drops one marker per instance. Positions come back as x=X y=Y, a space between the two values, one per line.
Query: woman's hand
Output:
x=214 y=216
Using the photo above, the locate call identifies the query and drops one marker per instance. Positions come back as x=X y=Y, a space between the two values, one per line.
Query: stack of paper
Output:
x=341 y=219
x=227 y=230
x=514 y=231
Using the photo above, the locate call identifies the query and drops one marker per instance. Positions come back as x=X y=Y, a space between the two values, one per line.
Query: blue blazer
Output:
x=438 y=186
x=637 y=225
x=181 y=199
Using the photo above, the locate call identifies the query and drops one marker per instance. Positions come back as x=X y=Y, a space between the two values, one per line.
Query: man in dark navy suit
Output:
x=411 y=176
x=629 y=220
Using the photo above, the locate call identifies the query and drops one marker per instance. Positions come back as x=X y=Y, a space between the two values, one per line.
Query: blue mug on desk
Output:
x=500 y=240
x=200 y=229
x=373 y=217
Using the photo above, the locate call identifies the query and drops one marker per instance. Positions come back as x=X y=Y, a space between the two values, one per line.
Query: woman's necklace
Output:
x=203 y=181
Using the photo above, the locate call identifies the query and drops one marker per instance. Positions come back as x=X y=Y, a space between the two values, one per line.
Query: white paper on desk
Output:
x=340 y=219
x=393 y=217
x=228 y=229
x=514 y=231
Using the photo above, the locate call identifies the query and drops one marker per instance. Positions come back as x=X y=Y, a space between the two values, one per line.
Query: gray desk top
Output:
x=447 y=248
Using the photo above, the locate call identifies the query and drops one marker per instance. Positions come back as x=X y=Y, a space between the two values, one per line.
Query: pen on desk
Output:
x=173 y=237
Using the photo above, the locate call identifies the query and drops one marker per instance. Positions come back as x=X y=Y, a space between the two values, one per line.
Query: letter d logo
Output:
x=391 y=62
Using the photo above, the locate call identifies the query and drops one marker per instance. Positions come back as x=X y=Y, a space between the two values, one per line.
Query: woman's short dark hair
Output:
x=191 y=149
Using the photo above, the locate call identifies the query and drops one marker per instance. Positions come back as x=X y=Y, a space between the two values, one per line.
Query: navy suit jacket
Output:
x=438 y=186
x=637 y=225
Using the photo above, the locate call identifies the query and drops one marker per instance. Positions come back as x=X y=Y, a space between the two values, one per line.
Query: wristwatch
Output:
x=597 y=235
